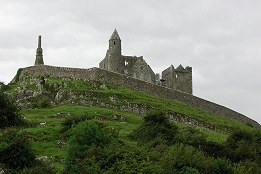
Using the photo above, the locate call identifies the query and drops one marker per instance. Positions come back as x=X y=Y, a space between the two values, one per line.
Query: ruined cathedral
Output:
x=132 y=72
x=179 y=78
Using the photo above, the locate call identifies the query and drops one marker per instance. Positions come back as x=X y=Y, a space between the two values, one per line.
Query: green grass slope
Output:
x=48 y=114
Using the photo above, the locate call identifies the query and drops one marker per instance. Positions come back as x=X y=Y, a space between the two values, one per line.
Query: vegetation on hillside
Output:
x=65 y=136
x=9 y=114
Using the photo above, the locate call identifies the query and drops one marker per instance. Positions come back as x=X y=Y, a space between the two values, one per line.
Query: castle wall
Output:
x=100 y=75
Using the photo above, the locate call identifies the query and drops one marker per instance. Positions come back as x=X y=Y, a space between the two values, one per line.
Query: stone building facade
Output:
x=136 y=67
x=178 y=79
x=133 y=66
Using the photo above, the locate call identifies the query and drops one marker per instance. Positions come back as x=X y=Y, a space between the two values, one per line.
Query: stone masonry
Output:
x=136 y=67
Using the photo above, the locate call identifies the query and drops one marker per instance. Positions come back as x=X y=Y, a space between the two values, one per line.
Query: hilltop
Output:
x=54 y=105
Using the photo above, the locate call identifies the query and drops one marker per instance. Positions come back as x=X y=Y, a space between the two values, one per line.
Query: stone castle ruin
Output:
x=132 y=72
x=136 y=67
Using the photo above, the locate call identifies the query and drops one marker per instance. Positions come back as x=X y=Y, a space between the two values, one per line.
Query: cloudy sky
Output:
x=220 y=39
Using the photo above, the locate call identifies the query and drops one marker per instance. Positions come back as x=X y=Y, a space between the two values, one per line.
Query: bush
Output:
x=156 y=126
x=9 y=113
x=40 y=168
x=70 y=121
x=220 y=166
x=214 y=149
x=244 y=145
x=191 y=136
x=179 y=156
x=125 y=159
x=43 y=102
x=86 y=147
x=15 y=150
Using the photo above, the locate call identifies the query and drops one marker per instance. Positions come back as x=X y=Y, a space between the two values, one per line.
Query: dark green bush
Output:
x=72 y=120
x=191 y=136
x=40 y=167
x=214 y=149
x=124 y=159
x=179 y=156
x=156 y=126
x=86 y=147
x=243 y=145
x=43 y=102
x=9 y=113
x=220 y=166
x=15 y=150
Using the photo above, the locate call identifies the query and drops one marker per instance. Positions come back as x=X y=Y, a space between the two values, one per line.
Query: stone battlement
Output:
x=104 y=76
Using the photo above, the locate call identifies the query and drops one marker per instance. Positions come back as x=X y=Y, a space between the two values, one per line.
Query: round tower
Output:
x=115 y=60
x=115 y=44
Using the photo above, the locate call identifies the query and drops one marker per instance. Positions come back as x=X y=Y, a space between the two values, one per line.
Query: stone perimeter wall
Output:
x=103 y=76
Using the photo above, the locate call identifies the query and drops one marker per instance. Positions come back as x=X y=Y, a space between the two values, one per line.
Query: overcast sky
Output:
x=220 y=39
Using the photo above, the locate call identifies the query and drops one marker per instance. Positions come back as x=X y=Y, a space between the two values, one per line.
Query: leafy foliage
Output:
x=15 y=150
x=9 y=113
x=86 y=145
x=70 y=121
x=156 y=126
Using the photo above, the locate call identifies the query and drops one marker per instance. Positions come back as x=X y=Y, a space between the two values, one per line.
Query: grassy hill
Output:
x=52 y=105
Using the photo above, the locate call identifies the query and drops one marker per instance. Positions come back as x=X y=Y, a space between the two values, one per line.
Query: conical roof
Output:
x=115 y=35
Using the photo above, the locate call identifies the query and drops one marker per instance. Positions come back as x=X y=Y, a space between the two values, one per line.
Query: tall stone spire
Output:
x=39 y=53
x=115 y=35
x=115 y=44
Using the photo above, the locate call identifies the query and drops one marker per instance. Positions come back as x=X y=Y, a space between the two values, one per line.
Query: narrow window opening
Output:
x=114 y=43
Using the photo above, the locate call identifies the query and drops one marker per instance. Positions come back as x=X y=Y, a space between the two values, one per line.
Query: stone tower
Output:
x=115 y=60
x=132 y=66
x=39 y=54
x=178 y=79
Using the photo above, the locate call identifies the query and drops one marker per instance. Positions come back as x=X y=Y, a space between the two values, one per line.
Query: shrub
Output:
x=179 y=156
x=70 y=121
x=40 y=168
x=15 y=150
x=156 y=126
x=214 y=149
x=244 y=145
x=220 y=166
x=125 y=159
x=86 y=147
x=191 y=136
x=43 y=102
x=9 y=113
